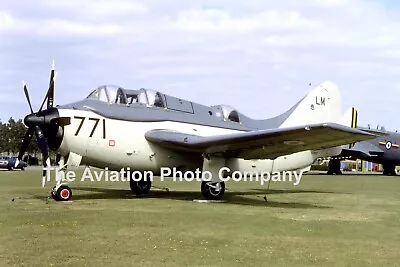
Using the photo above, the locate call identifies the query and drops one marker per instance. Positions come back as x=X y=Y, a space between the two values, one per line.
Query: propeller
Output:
x=50 y=93
x=37 y=121
x=27 y=96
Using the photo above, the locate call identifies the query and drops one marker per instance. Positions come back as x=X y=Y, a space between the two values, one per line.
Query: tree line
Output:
x=11 y=135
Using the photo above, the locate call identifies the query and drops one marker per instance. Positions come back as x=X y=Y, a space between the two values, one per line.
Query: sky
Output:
x=258 y=56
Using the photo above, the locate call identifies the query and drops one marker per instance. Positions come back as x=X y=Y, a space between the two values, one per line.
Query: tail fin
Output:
x=349 y=119
x=321 y=104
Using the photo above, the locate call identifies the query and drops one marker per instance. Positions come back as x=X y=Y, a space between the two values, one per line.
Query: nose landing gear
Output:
x=61 y=193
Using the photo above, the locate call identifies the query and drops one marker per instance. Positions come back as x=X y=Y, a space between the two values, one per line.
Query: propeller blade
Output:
x=24 y=146
x=45 y=152
x=46 y=166
x=47 y=94
x=41 y=139
x=50 y=94
x=27 y=96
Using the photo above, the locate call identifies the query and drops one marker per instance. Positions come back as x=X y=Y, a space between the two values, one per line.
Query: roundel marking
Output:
x=388 y=145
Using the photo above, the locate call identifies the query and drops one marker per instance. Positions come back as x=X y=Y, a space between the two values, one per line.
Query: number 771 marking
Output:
x=82 y=120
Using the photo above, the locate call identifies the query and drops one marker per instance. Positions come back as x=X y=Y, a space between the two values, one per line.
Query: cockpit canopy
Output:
x=229 y=113
x=117 y=95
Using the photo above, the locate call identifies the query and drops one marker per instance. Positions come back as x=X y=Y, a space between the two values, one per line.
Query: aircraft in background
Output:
x=145 y=130
x=382 y=150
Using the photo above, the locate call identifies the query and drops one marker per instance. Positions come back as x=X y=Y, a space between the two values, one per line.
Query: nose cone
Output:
x=41 y=118
x=32 y=120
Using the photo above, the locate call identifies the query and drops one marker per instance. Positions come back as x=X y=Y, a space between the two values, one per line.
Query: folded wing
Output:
x=262 y=144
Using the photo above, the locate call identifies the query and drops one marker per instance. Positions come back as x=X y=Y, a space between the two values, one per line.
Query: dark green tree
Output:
x=11 y=136
x=3 y=137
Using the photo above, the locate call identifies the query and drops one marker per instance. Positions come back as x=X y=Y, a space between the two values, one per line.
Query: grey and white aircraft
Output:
x=145 y=130
x=382 y=150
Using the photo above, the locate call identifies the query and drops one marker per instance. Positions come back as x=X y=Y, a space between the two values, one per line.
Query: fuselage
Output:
x=104 y=142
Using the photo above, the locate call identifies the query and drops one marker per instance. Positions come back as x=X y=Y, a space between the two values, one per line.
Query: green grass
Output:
x=326 y=220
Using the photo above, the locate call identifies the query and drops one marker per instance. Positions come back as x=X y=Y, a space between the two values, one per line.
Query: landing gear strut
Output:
x=389 y=170
x=334 y=167
x=213 y=190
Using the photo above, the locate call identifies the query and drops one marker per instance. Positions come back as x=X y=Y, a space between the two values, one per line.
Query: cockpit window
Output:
x=228 y=113
x=117 y=95
x=234 y=116
x=111 y=91
x=155 y=98
x=94 y=95
x=105 y=93
x=132 y=98
x=151 y=98
x=121 y=98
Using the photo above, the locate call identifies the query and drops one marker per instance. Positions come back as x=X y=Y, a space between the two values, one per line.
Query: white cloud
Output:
x=214 y=19
x=6 y=20
x=58 y=27
x=101 y=8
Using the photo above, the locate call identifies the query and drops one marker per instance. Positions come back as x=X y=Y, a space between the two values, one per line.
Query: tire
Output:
x=389 y=170
x=210 y=192
x=63 y=193
x=140 y=187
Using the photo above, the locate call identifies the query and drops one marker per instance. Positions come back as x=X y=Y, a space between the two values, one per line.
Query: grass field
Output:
x=326 y=220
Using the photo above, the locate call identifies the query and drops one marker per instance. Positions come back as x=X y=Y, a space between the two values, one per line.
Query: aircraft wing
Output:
x=362 y=150
x=262 y=144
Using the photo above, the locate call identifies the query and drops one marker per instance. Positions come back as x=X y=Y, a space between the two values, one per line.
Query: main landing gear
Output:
x=389 y=169
x=213 y=190
x=334 y=167
x=141 y=187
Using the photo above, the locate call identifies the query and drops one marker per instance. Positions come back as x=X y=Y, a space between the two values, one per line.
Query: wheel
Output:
x=334 y=167
x=141 y=187
x=213 y=190
x=63 y=193
x=389 y=170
